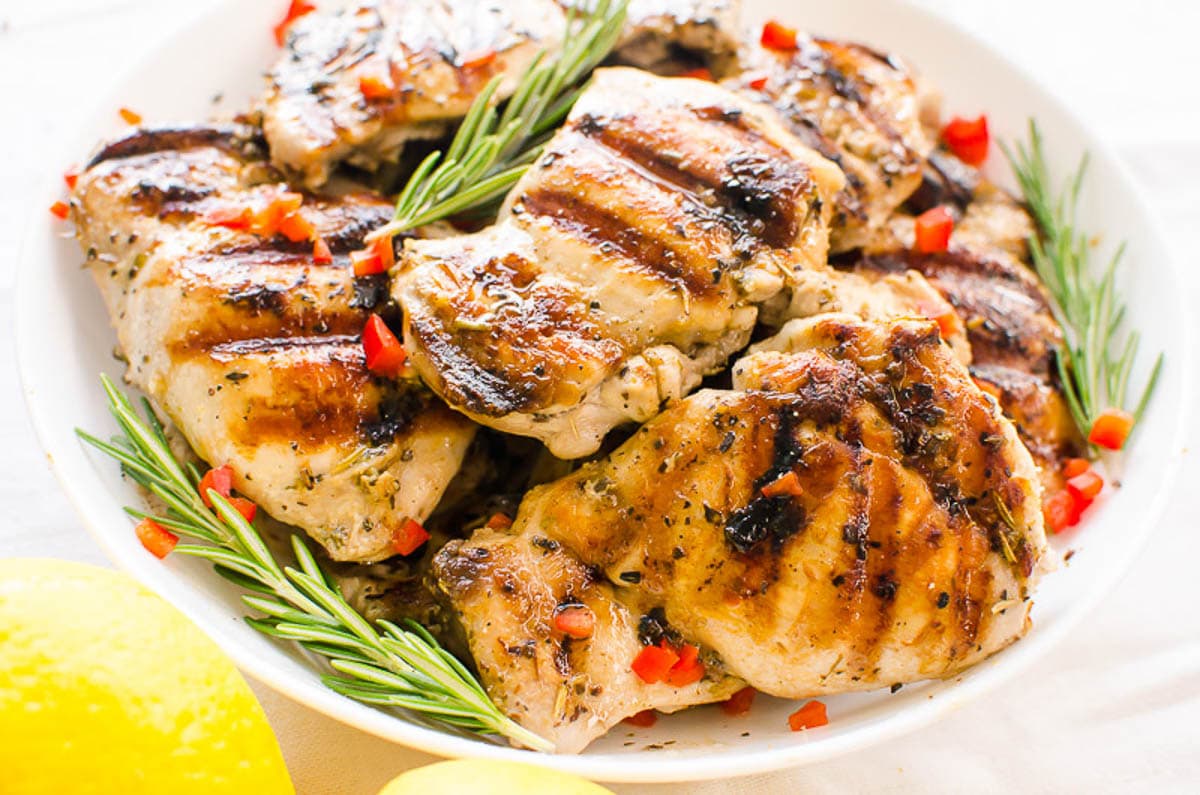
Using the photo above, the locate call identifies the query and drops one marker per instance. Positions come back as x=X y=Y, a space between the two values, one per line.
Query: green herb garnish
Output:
x=1099 y=355
x=396 y=666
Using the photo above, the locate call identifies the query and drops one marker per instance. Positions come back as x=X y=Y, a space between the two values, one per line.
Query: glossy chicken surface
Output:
x=426 y=60
x=251 y=348
x=905 y=547
x=861 y=109
x=626 y=264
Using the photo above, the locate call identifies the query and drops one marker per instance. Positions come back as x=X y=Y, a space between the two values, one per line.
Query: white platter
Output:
x=64 y=341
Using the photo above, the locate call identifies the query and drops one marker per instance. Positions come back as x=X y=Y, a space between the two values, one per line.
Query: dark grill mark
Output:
x=243 y=142
x=396 y=413
x=774 y=518
x=755 y=192
x=612 y=235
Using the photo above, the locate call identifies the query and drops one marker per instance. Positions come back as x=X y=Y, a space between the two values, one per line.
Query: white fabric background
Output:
x=1116 y=708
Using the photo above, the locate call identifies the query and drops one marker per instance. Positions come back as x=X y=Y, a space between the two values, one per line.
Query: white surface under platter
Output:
x=225 y=52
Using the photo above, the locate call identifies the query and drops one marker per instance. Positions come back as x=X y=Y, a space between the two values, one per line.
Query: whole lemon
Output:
x=105 y=688
x=489 y=777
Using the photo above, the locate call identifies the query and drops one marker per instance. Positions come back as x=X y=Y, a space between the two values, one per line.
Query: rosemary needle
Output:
x=392 y=665
x=1099 y=354
x=492 y=149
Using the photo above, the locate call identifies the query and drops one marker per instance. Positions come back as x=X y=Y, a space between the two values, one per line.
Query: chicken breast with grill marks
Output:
x=858 y=513
x=626 y=264
x=426 y=59
x=251 y=348
x=861 y=109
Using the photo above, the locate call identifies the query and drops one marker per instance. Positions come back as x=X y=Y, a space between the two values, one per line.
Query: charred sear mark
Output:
x=774 y=518
x=396 y=413
x=168 y=194
x=755 y=194
x=788 y=452
x=370 y=291
x=765 y=189
x=612 y=234
x=259 y=297
x=238 y=140
x=652 y=627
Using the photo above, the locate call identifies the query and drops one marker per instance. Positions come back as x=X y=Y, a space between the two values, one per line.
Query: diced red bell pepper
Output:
x=60 y=210
x=644 y=719
x=157 y=540
x=968 y=139
x=699 y=73
x=739 y=703
x=653 y=663
x=376 y=86
x=366 y=262
x=788 y=484
x=947 y=319
x=758 y=82
x=1075 y=466
x=245 y=507
x=296 y=9
x=408 y=537
x=810 y=716
x=1086 y=485
x=688 y=669
x=1063 y=509
x=218 y=479
x=383 y=247
x=776 y=36
x=933 y=228
x=296 y=228
x=321 y=253
x=265 y=220
x=575 y=621
x=385 y=354
x=129 y=116
x=229 y=216
x=1111 y=429
x=499 y=521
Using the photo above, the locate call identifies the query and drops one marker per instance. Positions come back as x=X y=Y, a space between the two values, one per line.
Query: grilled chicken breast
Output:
x=904 y=549
x=1011 y=329
x=861 y=109
x=626 y=264
x=669 y=36
x=424 y=60
x=251 y=348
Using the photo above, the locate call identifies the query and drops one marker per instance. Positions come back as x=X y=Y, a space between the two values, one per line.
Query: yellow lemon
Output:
x=489 y=777
x=105 y=688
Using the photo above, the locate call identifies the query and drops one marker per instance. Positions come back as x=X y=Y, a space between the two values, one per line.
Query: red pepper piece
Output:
x=575 y=621
x=933 y=228
x=408 y=537
x=776 y=36
x=157 y=540
x=385 y=354
x=810 y=716
x=968 y=139
x=219 y=480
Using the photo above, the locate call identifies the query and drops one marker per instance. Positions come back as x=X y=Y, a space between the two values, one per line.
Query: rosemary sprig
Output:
x=393 y=666
x=491 y=150
x=1099 y=356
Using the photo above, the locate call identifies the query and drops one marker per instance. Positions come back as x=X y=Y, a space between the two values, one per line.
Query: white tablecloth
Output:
x=1115 y=708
